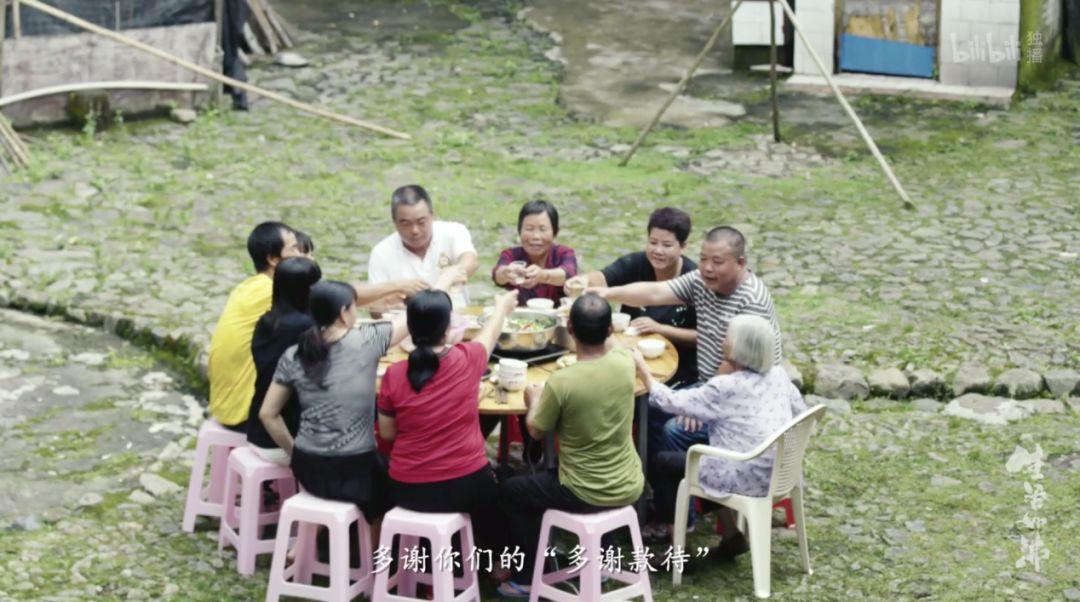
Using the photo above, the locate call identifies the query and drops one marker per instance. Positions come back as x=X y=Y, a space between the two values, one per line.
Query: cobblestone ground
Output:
x=902 y=503
x=85 y=411
x=148 y=220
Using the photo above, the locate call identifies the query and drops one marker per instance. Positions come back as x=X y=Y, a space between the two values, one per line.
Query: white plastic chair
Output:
x=790 y=443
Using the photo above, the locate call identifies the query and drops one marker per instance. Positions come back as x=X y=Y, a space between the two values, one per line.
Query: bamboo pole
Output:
x=276 y=22
x=264 y=32
x=103 y=85
x=772 y=74
x=681 y=86
x=3 y=34
x=13 y=144
x=847 y=108
x=219 y=53
x=287 y=28
x=16 y=19
x=301 y=106
x=18 y=143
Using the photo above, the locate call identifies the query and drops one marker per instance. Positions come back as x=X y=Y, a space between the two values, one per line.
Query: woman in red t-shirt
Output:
x=429 y=409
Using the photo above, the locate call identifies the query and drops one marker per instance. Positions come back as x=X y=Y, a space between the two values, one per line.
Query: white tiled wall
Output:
x=750 y=25
x=980 y=42
x=817 y=19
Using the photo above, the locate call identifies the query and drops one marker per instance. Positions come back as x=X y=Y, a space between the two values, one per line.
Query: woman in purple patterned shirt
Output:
x=539 y=267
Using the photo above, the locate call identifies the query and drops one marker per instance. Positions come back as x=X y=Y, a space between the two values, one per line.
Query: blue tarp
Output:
x=871 y=55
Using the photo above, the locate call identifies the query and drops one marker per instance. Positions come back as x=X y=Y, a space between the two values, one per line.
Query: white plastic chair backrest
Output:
x=790 y=449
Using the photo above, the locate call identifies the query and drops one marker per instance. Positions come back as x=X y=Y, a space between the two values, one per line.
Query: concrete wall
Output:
x=750 y=24
x=980 y=42
x=818 y=21
x=35 y=62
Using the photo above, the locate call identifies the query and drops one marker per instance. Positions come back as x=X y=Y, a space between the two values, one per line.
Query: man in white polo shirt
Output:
x=434 y=252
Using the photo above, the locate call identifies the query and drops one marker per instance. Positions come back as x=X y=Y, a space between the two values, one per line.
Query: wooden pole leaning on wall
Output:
x=772 y=74
x=301 y=106
x=847 y=108
x=3 y=34
x=15 y=147
x=16 y=20
x=681 y=86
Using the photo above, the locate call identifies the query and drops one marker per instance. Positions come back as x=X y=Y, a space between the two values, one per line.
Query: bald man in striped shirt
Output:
x=721 y=288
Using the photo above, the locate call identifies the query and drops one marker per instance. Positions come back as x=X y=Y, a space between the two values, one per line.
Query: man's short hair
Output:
x=304 y=244
x=408 y=195
x=673 y=220
x=752 y=342
x=590 y=317
x=266 y=241
x=730 y=237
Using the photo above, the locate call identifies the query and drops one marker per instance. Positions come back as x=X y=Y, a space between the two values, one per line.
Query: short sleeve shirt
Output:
x=438 y=428
x=635 y=267
x=390 y=260
x=267 y=346
x=337 y=418
x=715 y=312
x=590 y=406
x=230 y=367
x=559 y=257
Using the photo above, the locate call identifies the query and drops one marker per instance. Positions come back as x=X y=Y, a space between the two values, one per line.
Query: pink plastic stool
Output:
x=308 y=512
x=439 y=530
x=241 y=526
x=589 y=528
x=221 y=441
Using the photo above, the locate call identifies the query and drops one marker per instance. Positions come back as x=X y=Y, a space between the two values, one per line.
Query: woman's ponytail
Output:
x=328 y=298
x=313 y=352
x=423 y=364
x=428 y=316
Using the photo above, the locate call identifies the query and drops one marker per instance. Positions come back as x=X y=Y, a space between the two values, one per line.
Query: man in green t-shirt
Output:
x=590 y=407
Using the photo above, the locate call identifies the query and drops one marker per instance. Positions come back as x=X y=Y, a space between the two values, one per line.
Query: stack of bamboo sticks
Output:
x=269 y=28
x=17 y=151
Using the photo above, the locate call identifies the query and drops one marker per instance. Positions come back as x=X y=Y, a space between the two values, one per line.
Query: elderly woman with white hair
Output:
x=747 y=401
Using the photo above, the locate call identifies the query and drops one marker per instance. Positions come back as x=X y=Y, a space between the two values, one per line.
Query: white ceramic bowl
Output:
x=540 y=303
x=619 y=321
x=512 y=374
x=651 y=348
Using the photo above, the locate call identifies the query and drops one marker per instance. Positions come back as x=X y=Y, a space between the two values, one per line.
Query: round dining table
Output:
x=499 y=402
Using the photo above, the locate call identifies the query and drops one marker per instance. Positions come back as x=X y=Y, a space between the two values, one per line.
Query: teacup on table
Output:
x=517 y=271
x=512 y=374
x=574 y=289
x=540 y=303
